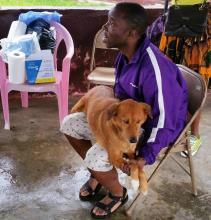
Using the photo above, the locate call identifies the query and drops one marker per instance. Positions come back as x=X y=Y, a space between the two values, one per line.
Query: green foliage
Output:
x=67 y=3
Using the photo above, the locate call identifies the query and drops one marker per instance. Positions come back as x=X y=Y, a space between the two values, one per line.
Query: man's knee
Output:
x=75 y=125
x=97 y=159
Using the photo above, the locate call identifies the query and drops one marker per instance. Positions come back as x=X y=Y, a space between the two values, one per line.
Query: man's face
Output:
x=116 y=30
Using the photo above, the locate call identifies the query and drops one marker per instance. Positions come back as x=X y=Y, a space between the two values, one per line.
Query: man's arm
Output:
x=166 y=95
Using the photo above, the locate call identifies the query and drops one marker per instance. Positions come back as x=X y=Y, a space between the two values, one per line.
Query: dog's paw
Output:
x=144 y=192
x=135 y=184
x=143 y=189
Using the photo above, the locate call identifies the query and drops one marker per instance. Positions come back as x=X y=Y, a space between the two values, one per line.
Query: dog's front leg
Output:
x=115 y=158
x=134 y=174
x=139 y=179
x=143 y=185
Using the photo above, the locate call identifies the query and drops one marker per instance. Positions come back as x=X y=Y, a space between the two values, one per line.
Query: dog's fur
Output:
x=115 y=125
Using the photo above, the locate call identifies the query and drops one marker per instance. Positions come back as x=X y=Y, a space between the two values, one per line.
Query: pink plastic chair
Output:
x=60 y=87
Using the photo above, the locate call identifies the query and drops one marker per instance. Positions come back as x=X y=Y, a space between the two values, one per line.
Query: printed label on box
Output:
x=40 y=67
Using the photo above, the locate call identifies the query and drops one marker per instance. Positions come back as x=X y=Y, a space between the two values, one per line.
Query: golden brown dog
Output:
x=116 y=125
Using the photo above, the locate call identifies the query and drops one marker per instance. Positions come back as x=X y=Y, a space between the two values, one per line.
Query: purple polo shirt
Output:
x=152 y=78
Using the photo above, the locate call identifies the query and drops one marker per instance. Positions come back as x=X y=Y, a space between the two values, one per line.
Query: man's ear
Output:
x=112 y=110
x=134 y=34
x=147 y=109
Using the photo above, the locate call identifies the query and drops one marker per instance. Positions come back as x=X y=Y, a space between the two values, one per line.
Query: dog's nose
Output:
x=133 y=139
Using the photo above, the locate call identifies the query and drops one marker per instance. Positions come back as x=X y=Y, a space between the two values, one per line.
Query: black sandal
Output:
x=91 y=192
x=107 y=207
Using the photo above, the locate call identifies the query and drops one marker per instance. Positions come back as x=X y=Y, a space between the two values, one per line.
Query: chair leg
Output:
x=5 y=106
x=64 y=104
x=180 y=164
x=192 y=171
x=61 y=105
x=24 y=99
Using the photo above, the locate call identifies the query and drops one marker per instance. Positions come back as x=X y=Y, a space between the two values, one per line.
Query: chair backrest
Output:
x=98 y=44
x=197 y=93
x=98 y=40
x=62 y=34
x=197 y=88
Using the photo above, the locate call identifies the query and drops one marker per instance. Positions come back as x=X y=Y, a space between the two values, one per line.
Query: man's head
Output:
x=126 y=21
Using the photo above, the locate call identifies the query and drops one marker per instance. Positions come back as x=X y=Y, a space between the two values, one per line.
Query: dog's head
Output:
x=127 y=117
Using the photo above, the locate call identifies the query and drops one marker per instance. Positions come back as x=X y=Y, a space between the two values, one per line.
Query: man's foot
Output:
x=195 y=144
x=89 y=189
x=108 y=205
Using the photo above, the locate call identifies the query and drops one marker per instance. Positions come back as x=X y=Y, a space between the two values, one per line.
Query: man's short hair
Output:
x=134 y=14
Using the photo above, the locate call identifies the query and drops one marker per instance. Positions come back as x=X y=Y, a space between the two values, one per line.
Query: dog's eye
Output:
x=138 y=122
x=126 y=121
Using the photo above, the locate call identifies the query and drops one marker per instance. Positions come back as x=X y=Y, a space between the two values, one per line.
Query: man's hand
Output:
x=126 y=166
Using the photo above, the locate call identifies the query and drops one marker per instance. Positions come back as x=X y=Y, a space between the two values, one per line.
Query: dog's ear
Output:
x=147 y=109
x=112 y=110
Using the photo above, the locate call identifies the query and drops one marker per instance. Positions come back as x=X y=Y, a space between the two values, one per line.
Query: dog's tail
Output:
x=79 y=106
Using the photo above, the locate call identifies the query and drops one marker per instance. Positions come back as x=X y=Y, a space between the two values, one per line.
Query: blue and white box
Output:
x=40 y=67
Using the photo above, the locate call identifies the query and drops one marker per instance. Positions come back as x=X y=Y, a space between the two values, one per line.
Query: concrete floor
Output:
x=40 y=174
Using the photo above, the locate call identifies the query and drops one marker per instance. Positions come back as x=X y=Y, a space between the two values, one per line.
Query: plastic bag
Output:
x=31 y=16
x=44 y=34
x=28 y=44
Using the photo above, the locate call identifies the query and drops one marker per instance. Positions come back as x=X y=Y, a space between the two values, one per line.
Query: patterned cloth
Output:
x=194 y=53
x=76 y=125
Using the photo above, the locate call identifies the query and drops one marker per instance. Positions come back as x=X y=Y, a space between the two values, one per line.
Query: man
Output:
x=144 y=74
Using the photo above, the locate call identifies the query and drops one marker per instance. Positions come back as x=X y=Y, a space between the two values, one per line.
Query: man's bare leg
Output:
x=107 y=179
x=81 y=147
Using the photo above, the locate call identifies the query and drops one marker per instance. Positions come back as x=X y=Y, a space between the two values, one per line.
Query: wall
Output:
x=82 y=25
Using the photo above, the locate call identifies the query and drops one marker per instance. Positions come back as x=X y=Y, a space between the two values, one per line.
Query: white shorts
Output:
x=76 y=125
